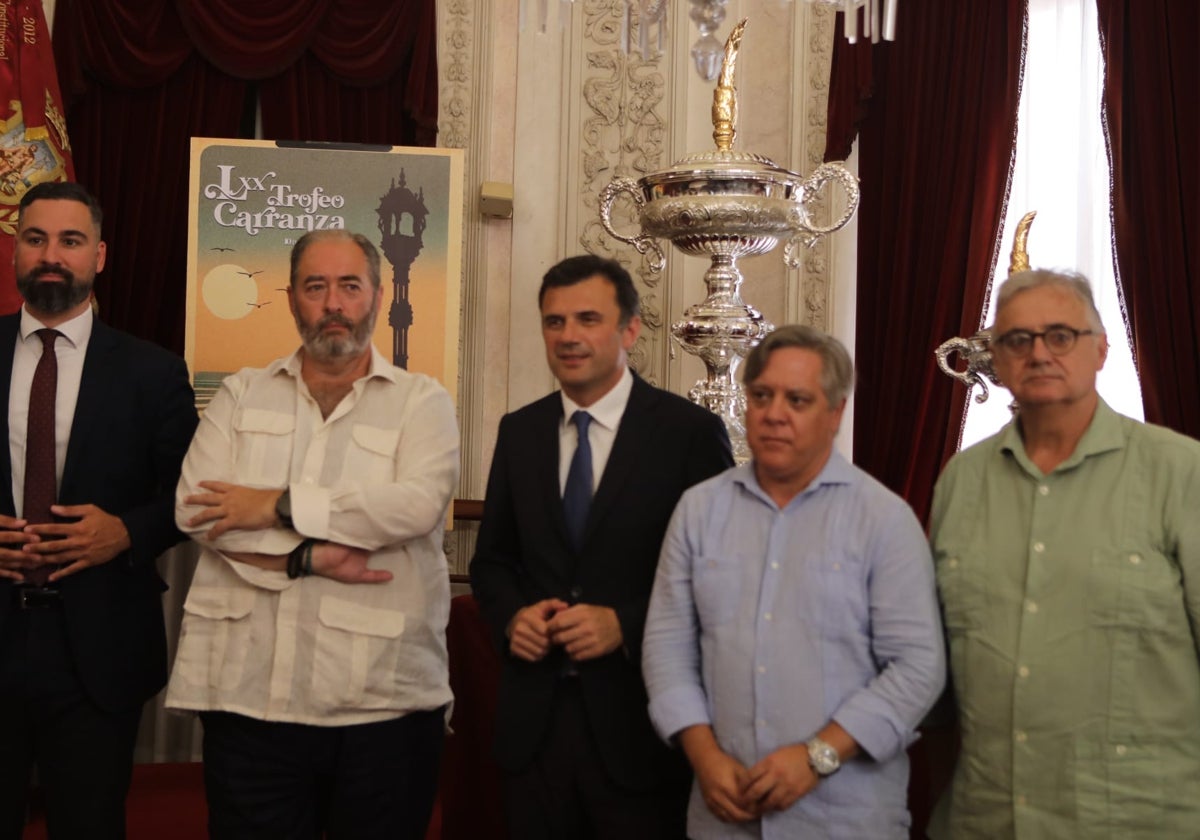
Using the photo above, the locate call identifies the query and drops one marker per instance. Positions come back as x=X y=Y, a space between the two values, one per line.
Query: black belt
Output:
x=36 y=597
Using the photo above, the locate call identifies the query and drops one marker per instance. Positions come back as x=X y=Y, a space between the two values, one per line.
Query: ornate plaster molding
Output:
x=817 y=56
x=622 y=132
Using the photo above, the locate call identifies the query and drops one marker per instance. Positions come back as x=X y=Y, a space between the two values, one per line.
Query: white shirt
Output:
x=606 y=418
x=378 y=474
x=70 y=350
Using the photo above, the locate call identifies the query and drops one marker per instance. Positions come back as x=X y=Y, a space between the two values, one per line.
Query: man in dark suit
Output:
x=582 y=486
x=96 y=424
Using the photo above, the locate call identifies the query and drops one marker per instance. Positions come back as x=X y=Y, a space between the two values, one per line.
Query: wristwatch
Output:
x=822 y=758
x=283 y=508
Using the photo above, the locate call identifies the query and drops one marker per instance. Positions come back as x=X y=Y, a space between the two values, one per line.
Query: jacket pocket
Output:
x=371 y=456
x=717 y=588
x=1133 y=589
x=263 y=454
x=356 y=654
x=213 y=647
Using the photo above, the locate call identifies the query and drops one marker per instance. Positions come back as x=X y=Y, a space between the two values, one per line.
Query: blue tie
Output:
x=577 y=497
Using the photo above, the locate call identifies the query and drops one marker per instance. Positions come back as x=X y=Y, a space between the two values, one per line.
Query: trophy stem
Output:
x=721 y=330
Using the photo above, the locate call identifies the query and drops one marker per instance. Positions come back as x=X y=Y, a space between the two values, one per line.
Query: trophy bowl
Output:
x=725 y=204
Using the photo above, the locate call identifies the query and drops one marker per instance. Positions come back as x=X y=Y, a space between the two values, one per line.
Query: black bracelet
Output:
x=308 y=552
x=299 y=560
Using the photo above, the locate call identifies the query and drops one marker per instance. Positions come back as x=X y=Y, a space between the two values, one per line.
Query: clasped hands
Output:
x=94 y=537
x=735 y=793
x=584 y=631
x=234 y=507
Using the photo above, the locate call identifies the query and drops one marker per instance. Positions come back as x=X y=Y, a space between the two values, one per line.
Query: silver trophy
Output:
x=725 y=204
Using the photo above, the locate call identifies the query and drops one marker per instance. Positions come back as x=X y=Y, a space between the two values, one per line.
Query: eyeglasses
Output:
x=1058 y=340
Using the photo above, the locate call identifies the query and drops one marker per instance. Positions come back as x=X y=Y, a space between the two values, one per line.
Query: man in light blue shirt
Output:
x=793 y=640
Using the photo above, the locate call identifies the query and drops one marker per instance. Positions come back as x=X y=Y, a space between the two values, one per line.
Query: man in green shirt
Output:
x=1067 y=549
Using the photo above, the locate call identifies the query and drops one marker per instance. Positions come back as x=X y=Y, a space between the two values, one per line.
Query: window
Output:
x=1062 y=172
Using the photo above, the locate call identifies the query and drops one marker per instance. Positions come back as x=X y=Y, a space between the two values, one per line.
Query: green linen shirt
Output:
x=1072 y=603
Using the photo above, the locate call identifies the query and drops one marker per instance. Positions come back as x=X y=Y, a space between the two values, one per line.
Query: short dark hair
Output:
x=63 y=191
x=837 y=370
x=368 y=249
x=574 y=270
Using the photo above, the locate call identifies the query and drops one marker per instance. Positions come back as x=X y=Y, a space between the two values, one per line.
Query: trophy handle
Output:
x=978 y=364
x=643 y=243
x=808 y=233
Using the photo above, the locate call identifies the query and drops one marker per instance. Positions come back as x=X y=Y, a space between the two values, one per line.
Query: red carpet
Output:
x=165 y=801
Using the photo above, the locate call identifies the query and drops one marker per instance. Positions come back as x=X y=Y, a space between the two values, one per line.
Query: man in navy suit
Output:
x=574 y=518
x=82 y=645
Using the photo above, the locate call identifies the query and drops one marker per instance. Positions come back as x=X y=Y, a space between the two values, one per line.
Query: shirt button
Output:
x=1023 y=672
x=767 y=616
x=762 y=669
x=837 y=566
x=1021 y=736
x=1031 y=606
x=774 y=565
x=1039 y=547
x=1121 y=749
x=1135 y=559
x=1044 y=490
x=1021 y=800
x=952 y=562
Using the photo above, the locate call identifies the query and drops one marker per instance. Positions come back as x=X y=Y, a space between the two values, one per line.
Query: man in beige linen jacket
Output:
x=314 y=632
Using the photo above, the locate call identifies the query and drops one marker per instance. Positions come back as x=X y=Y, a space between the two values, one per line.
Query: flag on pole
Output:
x=33 y=130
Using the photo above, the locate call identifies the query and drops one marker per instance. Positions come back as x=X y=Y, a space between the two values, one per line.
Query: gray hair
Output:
x=368 y=249
x=1038 y=278
x=837 y=370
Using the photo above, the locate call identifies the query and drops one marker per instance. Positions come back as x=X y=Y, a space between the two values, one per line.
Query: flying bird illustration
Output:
x=259 y=305
x=220 y=249
x=249 y=273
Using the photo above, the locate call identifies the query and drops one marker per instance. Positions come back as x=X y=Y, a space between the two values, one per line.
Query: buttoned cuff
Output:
x=678 y=708
x=869 y=721
x=310 y=510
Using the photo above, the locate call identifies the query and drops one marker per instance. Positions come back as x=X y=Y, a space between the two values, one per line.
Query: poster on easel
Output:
x=250 y=200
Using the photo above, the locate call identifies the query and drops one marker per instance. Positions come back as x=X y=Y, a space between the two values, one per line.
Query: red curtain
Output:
x=1152 y=81
x=141 y=77
x=936 y=117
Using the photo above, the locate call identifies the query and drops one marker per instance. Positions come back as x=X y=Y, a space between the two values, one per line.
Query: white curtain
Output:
x=1062 y=172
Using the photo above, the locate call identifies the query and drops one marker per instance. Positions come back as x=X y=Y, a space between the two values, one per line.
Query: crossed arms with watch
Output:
x=230 y=507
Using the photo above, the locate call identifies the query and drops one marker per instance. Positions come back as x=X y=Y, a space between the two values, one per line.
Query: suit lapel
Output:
x=95 y=387
x=632 y=434
x=8 y=342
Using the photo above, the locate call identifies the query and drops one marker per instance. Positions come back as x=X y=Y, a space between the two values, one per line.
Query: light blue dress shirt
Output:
x=767 y=623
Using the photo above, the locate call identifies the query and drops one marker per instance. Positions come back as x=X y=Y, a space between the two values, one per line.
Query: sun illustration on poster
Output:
x=229 y=292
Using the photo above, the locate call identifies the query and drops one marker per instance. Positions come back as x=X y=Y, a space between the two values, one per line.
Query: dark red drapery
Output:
x=1152 y=82
x=936 y=114
x=141 y=77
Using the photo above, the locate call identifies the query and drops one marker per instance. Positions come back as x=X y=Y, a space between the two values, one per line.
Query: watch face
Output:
x=823 y=757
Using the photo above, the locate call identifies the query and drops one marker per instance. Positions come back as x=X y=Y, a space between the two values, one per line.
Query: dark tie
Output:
x=577 y=497
x=40 y=481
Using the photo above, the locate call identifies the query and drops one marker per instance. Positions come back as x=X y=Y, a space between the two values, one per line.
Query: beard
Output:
x=53 y=298
x=326 y=348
